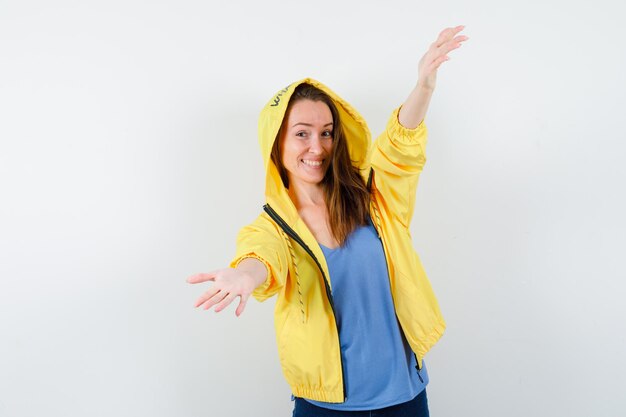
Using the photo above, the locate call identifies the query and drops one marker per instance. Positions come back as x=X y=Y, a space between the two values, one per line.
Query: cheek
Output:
x=330 y=148
x=290 y=153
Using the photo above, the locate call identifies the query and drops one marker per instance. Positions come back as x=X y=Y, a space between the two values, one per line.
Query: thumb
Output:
x=202 y=277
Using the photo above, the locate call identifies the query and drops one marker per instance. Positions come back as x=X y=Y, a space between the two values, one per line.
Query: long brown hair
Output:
x=346 y=194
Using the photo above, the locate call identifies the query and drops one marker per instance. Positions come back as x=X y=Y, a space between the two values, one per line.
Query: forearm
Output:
x=414 y=108
x=255 y=269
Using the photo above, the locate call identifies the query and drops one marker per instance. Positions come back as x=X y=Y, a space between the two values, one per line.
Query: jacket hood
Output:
x=354 y=126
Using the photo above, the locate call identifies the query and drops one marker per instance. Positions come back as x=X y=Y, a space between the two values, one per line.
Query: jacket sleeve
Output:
x=397 y=158
x=262 y=240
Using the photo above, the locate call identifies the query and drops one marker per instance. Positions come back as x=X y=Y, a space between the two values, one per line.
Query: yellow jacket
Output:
x=306 y=331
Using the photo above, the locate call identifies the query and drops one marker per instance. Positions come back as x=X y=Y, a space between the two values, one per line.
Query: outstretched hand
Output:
x=228 y=284
x=437 y=54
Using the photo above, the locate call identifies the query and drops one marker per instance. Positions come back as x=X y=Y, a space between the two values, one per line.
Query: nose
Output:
x=315 y=145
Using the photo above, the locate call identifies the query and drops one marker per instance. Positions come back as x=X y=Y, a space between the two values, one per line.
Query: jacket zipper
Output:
x=292 y=233
x=369 y=187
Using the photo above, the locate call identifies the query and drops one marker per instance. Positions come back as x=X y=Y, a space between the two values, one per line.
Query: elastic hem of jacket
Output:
x=259 y=293
x=431 y=340
x=398 y=133
x=334 y=396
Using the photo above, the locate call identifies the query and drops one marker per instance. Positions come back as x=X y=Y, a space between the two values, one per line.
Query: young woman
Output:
x=355 y=313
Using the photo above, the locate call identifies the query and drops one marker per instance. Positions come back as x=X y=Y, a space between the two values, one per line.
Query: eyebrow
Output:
x=310 y=125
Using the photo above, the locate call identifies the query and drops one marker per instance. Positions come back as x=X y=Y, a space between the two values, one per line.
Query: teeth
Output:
x=312 y=163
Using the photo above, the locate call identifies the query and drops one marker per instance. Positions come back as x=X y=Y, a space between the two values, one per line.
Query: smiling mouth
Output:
x=312 y=163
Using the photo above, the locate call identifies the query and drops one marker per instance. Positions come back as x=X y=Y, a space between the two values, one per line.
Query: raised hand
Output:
x=437 y=54
x=416 y=105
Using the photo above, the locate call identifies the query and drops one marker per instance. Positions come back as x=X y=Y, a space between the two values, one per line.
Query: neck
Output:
x=305 y=195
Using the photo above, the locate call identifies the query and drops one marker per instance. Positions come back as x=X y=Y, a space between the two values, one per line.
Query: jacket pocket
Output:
x=285 y=346
x=283 y=332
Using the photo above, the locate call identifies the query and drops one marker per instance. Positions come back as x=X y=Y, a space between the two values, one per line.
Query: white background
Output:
x=129 y=160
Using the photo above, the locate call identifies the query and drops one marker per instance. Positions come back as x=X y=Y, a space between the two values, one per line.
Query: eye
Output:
x=301 y=134
x=328 y=134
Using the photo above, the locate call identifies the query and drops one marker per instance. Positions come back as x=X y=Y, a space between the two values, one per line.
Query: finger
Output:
x=444 y=36
x=225 y=302
x=207 y=296
x=242 y=305
x=202 y=277
x=215 y=299
x=447 y=34
x=452 y=44
x=458 y=40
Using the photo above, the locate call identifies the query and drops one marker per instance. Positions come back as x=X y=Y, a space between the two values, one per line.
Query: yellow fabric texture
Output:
x=306 y=331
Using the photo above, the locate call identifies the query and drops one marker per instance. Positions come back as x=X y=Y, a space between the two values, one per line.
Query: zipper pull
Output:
x=418 y=374
x=417 y=366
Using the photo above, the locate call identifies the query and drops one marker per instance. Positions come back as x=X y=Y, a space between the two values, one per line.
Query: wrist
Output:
x=255 y=271
x=423 y=87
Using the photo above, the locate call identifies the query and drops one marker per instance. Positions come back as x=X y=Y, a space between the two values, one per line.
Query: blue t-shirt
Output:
x=379 y=366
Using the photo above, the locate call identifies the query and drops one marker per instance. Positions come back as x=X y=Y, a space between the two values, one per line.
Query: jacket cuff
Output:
x=260 y=292
x=404 y=135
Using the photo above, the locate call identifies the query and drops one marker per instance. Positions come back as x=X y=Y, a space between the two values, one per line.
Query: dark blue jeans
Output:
x=417 y=407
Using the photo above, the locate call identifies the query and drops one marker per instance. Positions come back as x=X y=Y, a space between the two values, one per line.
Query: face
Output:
x=307 y=142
